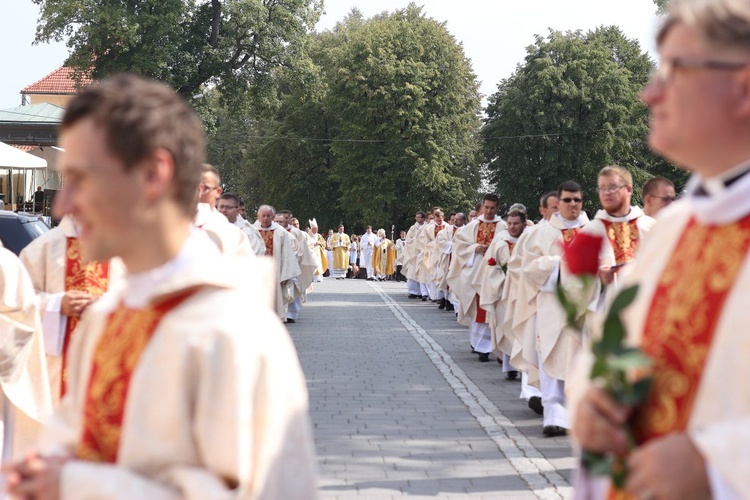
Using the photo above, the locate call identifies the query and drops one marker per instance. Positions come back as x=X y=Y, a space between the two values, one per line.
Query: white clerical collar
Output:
x=571 y=224
x=511 y=238
x=69 y=227
x=272 y=227
x=483 y=219
x=634 y=213
x=730 y=205
x=140 y=287
x=718 y=184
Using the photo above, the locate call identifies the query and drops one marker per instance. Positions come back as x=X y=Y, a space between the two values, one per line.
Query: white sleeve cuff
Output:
x=551 y=284
x=53 y=325
x=720 y=489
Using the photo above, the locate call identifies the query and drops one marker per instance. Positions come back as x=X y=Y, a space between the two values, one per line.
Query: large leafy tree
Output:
x=571 y=108
x=383 y=123
x=407 y=104
x=185 y=43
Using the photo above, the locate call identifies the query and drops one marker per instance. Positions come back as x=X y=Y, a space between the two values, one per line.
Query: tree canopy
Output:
x=570 y=109
x=383 y=123
x=232 y=43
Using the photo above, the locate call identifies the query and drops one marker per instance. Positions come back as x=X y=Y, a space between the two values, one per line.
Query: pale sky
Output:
x=494 y=33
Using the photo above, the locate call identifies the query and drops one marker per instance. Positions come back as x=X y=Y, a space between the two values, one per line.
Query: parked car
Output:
x=18 y=230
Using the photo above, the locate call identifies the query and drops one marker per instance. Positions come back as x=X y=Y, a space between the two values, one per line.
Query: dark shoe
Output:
x=535 y=403
x=441 y=304
x=449 y=306
x=290 y=320
x=472 y=350
x=554 y=431
x=412 y=296
x=511 y=375
x=499 y=361
x=424 y=298
x=484 y=357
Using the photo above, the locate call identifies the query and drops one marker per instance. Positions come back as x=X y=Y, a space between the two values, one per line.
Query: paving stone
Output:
x=386 y=422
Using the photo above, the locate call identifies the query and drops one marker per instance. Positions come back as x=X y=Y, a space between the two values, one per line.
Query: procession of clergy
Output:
x=501 y=277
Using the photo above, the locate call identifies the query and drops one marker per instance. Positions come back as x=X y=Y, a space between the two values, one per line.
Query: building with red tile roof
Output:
x=56 y=88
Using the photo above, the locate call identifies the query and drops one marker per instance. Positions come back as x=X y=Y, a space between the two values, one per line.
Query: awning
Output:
x=14 y=158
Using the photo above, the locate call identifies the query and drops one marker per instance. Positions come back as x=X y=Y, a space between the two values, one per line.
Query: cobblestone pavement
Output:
x=400 y=406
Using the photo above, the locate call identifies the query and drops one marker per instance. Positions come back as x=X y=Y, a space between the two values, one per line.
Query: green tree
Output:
x=661 y=5
x=407 y=106
x=570 y=109
x=382 y=123
x=232 y=43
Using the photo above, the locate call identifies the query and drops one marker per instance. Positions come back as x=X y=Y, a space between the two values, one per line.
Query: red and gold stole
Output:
x=438 y=229
x=267 y=235
x=624 y=238
x=680 y=325
x=679 y=328
x=511 y=246
x=118 y=350
x=91 y=277
x=569 y=234
x=485 y=234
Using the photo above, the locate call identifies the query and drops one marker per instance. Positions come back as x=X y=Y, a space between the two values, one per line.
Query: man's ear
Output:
x=158 y=171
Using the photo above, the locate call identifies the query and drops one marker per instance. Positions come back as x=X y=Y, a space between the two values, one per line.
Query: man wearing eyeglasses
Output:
x=229 y=207
x=621 y=226
x=658 y=193
x=556 y=345
x=691 y=314
x=230 y=240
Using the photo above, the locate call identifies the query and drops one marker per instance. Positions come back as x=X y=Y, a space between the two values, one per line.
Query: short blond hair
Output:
x=721 y=22
x=618 y=171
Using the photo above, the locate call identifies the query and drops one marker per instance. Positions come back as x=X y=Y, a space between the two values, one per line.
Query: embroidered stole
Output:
x=91 y=277
x=118 y=350
x=485 y=234
x=438 y=229
x=680 y=325
x=624 y=238
x=267 y=235
x=569 y=234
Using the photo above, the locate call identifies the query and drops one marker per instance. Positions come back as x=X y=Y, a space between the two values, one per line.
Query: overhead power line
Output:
x=396 y=141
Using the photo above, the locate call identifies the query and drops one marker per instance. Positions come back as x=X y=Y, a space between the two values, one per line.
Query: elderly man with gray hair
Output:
x=690 y=316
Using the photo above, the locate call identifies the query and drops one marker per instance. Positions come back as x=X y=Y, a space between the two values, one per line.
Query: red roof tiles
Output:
x=24 y=147
x=59 y=81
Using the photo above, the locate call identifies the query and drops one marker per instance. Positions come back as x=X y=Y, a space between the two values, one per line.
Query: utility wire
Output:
x=391 y=141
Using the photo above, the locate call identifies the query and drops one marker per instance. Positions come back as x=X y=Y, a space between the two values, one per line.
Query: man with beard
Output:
x=622 y=227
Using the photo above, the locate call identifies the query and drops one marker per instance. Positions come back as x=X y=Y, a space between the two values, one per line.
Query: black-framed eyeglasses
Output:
x=665 y=199
x=609 y=189
x=664 y=72
x=571 y=200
